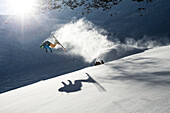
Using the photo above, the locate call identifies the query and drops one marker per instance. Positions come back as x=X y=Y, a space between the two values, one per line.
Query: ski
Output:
x=59 y=43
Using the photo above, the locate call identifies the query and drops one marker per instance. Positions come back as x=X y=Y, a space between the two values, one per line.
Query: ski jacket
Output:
x=46 y=43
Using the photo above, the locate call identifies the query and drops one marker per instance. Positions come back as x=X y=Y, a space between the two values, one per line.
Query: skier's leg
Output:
x=50 y=49
x=46 y=49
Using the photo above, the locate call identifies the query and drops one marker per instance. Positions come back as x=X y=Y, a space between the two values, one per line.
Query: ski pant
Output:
x=53 y=45
x=47 y=47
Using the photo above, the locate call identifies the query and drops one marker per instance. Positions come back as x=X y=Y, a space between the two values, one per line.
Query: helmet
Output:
x=41 y=47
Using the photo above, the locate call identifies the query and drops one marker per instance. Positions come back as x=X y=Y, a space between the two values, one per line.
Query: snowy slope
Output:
x=134 y=84
x=23 y=63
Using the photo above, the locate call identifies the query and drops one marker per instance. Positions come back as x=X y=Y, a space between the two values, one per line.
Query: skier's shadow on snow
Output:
x=78 y=84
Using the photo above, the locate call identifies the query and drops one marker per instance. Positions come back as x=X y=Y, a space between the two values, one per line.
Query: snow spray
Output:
x=83 y=38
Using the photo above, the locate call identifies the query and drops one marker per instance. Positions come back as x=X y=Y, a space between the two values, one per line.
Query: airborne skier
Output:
x=48 y=45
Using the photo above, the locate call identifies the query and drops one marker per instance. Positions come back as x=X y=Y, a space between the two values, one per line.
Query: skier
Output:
x=98 y=63
x=47 y=45
x=102 y=61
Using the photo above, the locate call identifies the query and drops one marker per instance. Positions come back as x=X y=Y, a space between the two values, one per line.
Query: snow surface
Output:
x=134 y=84
x=23 y=63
